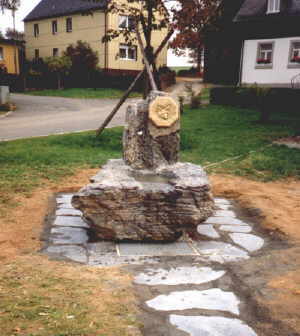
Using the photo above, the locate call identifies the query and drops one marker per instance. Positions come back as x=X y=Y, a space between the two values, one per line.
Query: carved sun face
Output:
x=164 y=111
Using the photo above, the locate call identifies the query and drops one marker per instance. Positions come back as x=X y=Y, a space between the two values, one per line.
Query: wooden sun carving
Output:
x=164 y=111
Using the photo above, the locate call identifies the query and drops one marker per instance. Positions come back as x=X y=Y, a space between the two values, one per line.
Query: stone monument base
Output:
x=123 y=203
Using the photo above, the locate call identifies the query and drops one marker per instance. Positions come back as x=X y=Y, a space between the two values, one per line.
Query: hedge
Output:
x=273 y=99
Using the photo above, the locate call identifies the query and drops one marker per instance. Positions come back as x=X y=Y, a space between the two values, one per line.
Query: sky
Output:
x=27 y=6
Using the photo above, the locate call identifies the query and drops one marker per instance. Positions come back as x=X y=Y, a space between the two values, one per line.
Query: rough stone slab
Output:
x=225 y=213
x=211 y=326
x=144 y=205
x=208 y=231
x=73 y=221
x=249 y=242
x=211 y=299
x=224 y=221
x=220 y=252
x=75 y=253
x=178 y=276
x=236 y=228
x=68 y=212
x=146 y=249
x=68 y=235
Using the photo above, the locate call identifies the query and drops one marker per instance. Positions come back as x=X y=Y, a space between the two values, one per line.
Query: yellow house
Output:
x=9 y=55
x=55 y=24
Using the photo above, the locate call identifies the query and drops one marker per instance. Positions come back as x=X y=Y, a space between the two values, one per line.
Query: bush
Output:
x=275 y=99
x=192 y=72
x=167 y=77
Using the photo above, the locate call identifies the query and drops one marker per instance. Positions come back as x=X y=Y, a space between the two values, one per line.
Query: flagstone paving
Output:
x=184 y=286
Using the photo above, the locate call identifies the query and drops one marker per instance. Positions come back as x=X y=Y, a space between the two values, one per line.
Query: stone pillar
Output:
x=4 y=95
x=151 y=137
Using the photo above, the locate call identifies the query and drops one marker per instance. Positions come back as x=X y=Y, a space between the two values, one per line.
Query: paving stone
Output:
x=249 y=242
x=178 y=276
x=224 y=221
x=65 y=198
x=74 y=221
x=172 y=249
x=208 y=231
x=221 y=206
x=68 y=235
x=111 y=260
x=75 y=253
x=223 y=201
x=211 y=299
x=68 y=212
x=211 y=326
x=65 y=206
x=220 y=252
x=236 y=228
x=225 y=213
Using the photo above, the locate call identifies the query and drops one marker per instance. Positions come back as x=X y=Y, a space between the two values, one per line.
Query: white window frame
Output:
x=1 y=54
x=127 y=48
x=54 y=27
x=127 y=22
x=292 y=64
x=69 y=27
x=273 y=6
x=262 y=65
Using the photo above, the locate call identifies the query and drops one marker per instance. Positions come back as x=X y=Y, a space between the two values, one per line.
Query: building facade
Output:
x=10 y=55
x=53 y=25
x=271 y=42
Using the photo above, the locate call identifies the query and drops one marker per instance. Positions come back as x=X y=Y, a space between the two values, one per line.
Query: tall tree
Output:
x=193 y=19
x=14 y=34
x=13 y=6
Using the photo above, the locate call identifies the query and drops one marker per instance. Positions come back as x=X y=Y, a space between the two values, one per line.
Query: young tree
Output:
x=150 y=15
x=13 y=6
x=193 y=19
x=59 y=66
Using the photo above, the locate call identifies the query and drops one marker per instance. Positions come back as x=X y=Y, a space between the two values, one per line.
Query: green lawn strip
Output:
x=88 y=93
x=209 y=135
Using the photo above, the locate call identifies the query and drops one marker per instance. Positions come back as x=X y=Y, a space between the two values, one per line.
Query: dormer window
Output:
x=273 y=6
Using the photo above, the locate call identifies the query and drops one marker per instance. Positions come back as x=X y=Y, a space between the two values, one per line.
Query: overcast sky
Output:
x=28 y=5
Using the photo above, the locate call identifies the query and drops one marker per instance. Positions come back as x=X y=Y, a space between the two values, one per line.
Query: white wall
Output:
x=280 y=73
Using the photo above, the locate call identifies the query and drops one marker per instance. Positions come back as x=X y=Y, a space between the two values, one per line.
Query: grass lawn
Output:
x=209 y=135
x=83 y=93
x=178 y=68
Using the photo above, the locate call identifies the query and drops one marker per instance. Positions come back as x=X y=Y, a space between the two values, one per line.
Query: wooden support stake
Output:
x=128 y=91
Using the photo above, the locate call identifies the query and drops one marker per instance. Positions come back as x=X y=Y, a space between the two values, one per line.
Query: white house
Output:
x=271 y=46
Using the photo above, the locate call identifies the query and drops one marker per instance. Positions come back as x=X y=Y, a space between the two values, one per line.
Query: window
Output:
x=128 y=52
x=265 y=54
x=55 y=52
x=36 y=30
x=126 y=22
x=54 y=27
x=273 y=6
x=36 y=53
x=1 y=54
x=69 y=25
x=294 y=57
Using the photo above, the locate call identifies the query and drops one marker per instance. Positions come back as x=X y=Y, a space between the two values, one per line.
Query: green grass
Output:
x=209 y=135
x=178 y=68
x=205 y=94
x=83 y=93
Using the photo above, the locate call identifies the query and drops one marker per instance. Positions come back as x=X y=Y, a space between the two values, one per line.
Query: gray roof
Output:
x=54 y=8
x=253 y=9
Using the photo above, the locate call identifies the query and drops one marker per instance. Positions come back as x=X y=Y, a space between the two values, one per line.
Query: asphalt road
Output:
x=41 y=116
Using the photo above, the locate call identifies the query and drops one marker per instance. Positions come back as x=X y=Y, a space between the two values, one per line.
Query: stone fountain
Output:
x=149 y=195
